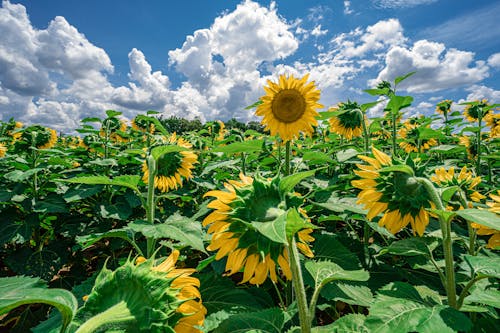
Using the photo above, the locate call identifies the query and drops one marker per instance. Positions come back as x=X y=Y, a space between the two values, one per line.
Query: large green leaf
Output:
x=412 y=246
x=19 y=176
x=487 y=297
x=351 y=323
x=129 y=181
x=159 y=151
x=324 y=272
x=397 y=103
x=177 y=227
x=484 y=266
x=399 y=307
x=481 y=216
x=348 y=292
x=328 y=247
x=288 y=183
x=20 y=290
x=88 y=240
x=268 y=321
x=275 y=230
x=240 y=147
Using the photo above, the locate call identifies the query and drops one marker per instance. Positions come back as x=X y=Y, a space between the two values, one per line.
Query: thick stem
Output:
x=298 y=285
x=150 y=202
x=450 y=287
x=366 y=136
x=287 y=158
x=463 y=294
x=116 y=314
x=478 y=145
x=393 y=117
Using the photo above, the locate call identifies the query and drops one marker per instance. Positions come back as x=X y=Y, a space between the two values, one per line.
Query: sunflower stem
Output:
x=150 y=202
x=478 y=144
x=298 y=285
x=451 y=291
x=393 y=118
x=287 y=158
x=116 y=314
x=365 y=133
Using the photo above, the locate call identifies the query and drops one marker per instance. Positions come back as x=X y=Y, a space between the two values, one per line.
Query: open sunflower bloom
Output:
x=494 y=240
x=464 y=180
x=411 y=142
x=289 y=107
x=172 y=167
x=493 y=121
x=349 y=122
x=237 y=209
x=399 y=198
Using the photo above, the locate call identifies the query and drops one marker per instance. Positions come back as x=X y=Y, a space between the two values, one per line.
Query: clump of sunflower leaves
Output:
x=252 y=223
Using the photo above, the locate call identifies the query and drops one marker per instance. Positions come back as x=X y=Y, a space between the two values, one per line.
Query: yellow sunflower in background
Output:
x=410 y=135
x=464 y=180
x=494 y=240
x=192 y=308
x=39 y=137
x=143 y=125
x=252 y=201
x=395 y=195
x=114 y=128
x=476 y=110
x=493 y=121
x=444 y=107
x=289 y=107
x=172 y=167
x=3 y=150
x=348 y=123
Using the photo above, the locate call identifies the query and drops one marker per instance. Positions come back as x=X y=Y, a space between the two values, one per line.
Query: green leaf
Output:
x=254 y=105
x=448 y=149
x=484 y=266
x=480 y=216
x=429 y=133
x=399 y=168
x=316 y=156
x=348 y=292
x=448 y=192
x=341 y=205
x=129 y=181
x=403 y=77
x=158 y=125
x=89 y=240
x=81 y=192
x=177 y=227
x=324 y=272
x=295 y=222
x=399 y=307
x=91 y=120
x=288 y=183
x=268 y=321
x=344 y=155
x=377 y=92
x=113 y=113
x=489 y=297
x=20 y=290
x=218 y=165
x=396 y=103
x=274 y=230
x=412 y=246
x=328 y=247
x=367 y=106
x=240 y=147
x=159 y=151
x=19 y=176
x=351 y=323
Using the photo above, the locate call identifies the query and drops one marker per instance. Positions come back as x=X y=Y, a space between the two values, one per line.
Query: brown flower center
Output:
x=288 y=105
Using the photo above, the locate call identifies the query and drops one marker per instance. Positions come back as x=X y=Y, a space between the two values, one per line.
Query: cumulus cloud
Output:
x=436 y=68
x=494 y=60
x=478 y=92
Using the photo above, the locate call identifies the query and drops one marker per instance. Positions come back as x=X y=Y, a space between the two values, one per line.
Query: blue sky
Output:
x=61 y=61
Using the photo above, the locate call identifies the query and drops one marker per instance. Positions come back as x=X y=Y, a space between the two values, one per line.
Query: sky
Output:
x=65 y=60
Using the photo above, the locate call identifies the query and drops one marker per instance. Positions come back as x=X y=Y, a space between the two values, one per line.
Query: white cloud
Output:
x=478 y=92
x=401 y=3
x=347 y=8
x=437 y=68
x=318 y=32
x=494 y=60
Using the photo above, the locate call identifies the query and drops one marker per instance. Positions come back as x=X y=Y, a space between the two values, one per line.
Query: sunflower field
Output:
x=319 y=219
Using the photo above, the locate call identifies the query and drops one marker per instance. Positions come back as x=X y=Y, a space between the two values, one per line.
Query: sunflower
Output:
x=143 y=297
x=143 y=125
x=39 y=137
x=113 y=128
x=396 y=195
x=464 y=180
x=494 y=241
x=349 y=121
x=172 y=167
x=3 y=150
x=412 y=143
x=493 y=121
x=470 y=147
x=476 y=111
x=444 y=107
x=289 y=107
x=238 y=208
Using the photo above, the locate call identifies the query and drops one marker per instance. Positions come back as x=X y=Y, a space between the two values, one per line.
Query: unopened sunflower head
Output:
x=349 y=120
x=444 y=106
x=38 y=136
x=395 y=195
x=172 y=167
x=493 y=121
x=463 y=180
x=477 y=110
x=494 y=206
x=410 y=135
x=239 y=210
x=147 y=296
x=289 y=107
